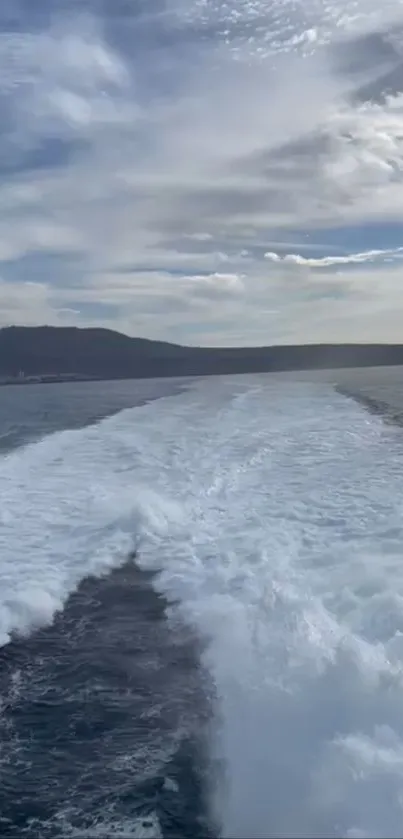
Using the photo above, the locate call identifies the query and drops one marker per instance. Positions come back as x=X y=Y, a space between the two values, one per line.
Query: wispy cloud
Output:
x=176 y=162
x=386 y=255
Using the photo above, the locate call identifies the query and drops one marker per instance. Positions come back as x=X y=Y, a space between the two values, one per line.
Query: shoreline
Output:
x=17 y=381
x=50 y=380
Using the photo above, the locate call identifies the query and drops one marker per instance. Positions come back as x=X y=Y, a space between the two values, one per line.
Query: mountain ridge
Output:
x=96 y=352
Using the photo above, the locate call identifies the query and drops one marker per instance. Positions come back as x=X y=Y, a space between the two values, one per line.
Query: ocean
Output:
x=201 y=607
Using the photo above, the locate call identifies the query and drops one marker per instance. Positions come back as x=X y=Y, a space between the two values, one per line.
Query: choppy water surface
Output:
x=243 y=675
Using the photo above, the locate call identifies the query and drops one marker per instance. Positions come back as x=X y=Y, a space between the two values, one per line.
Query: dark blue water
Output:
x=104 y=715
x=28 y=412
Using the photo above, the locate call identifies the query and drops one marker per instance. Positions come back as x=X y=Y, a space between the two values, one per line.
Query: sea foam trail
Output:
x=72 y=506
x=273 y=515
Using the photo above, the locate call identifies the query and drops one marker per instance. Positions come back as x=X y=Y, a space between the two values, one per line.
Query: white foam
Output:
x=71 y=506
x=273 y=513
x=143 y=827
x=171 y=785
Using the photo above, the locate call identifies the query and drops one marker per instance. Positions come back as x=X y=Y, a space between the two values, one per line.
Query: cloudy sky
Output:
x=212 y=172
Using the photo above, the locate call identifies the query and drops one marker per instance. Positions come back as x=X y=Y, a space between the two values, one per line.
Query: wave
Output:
x=72 y=507
x=271 y=515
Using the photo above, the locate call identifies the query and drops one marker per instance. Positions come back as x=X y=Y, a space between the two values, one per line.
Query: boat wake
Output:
x=270 y=516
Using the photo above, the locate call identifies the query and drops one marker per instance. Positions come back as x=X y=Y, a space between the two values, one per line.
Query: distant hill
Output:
x=105 y=354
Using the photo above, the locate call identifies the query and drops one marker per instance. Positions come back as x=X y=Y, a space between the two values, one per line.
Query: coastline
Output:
x=18 y=381
x=65 y=378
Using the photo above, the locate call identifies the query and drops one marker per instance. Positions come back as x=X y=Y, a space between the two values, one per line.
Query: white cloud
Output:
x=213 y=284
x=27 y=303
x=180 y=178
x=330 y=261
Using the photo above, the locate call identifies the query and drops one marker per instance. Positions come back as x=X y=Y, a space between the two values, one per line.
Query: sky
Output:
x=208 y=172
